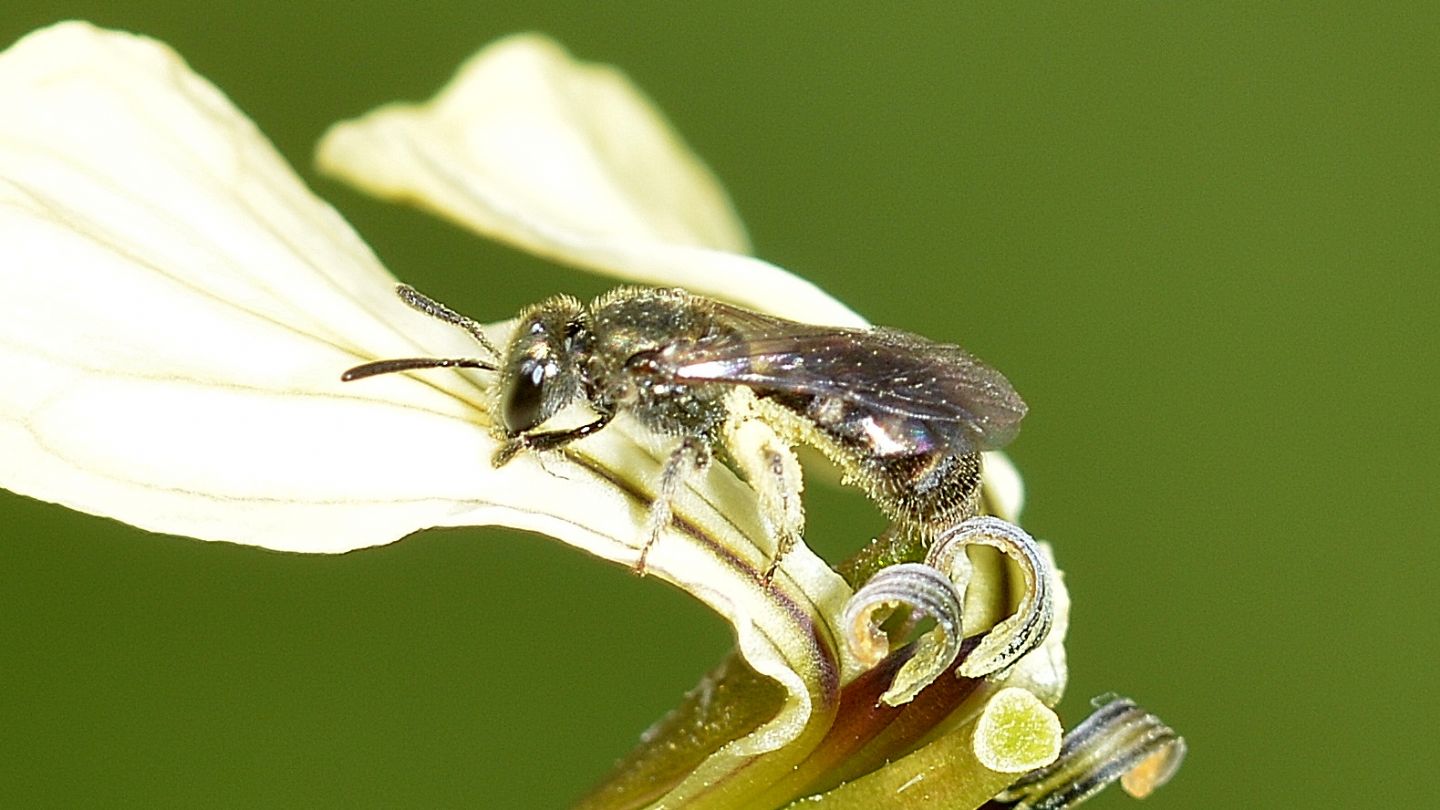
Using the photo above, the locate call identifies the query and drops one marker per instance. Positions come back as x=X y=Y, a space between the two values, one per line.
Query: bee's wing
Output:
x=880 y=371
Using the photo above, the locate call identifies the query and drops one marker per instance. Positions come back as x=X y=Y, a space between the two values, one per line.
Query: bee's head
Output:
x=543 y=363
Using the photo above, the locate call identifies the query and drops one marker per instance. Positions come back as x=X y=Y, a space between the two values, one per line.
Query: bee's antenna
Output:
x=429 y=306
x=411 y=363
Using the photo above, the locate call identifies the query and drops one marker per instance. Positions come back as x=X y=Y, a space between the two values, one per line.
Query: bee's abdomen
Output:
x=926 y=491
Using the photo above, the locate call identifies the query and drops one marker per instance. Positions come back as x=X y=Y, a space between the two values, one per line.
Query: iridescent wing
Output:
x=885 y=373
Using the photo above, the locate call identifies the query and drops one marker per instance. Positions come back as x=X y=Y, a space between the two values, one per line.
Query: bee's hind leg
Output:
x=691 y=457
x=768 y=462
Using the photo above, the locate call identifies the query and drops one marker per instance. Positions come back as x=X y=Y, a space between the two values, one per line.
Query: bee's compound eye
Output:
x=524 y=403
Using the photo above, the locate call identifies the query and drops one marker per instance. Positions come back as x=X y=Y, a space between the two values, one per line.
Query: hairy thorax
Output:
x=626 y=368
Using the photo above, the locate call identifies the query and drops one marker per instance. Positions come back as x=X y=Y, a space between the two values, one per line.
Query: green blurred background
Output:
x=1200 y=238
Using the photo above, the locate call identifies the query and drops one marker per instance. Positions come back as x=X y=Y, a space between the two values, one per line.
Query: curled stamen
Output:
x=1118 y=741
x=1009 y=640
x=926 y=592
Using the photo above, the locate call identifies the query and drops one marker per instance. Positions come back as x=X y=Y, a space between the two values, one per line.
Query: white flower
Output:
x=176 y=309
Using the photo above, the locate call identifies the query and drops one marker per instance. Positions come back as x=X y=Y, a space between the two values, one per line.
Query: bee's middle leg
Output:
x=691 y=457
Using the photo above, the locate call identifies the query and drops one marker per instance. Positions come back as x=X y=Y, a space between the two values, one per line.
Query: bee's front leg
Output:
x=549 y=440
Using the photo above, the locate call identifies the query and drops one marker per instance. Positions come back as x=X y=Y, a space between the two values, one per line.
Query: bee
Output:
x=903 y=417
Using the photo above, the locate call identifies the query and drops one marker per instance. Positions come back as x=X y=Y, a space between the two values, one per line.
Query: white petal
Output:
x=570 y=161
x=175 y=312
x=1004 y=490
x=175 y=309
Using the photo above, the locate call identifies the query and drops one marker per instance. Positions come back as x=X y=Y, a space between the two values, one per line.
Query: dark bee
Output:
x=904 y=418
